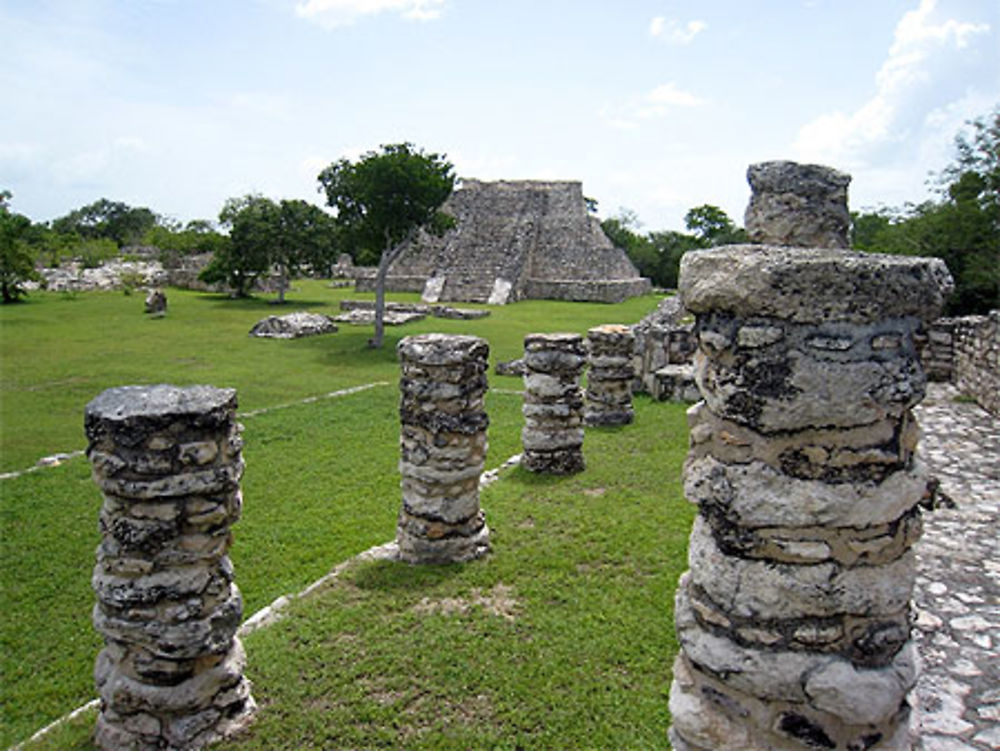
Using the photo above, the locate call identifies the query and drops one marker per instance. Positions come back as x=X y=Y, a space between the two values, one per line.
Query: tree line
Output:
x=378 y=202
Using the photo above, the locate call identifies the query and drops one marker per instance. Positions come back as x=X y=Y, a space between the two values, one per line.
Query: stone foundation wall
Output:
x=977 y=359
x=937 y=351
x=608 y=291
x=965 y=351
x=168 y=463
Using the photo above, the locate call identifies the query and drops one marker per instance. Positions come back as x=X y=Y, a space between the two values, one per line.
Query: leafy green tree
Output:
x=962 y=227
x=16 y=259
x=112 y=220
x=712 y=226
x=381 y=202
x=289 y=235
x=251 y=220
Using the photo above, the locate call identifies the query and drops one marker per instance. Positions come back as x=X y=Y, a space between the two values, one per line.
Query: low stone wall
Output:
x=609 y=291
x=977 y=359
x=966 y=352
x=936 y=347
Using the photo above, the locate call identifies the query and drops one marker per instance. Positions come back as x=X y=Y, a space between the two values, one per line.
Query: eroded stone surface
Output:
x=609 y=381
x=553 y=403
x=798 y=204
x=442 y=448
x=168 y=460
x=794 y=617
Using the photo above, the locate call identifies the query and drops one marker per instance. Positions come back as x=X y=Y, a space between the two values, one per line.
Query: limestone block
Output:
x=168 y=462
x=756 y=495
x=553 y=403
x=442 y=448
x=813 y=284
x=798 y=204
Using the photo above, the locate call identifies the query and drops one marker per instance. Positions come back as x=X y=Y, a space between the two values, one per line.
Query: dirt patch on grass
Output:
x=499 y=602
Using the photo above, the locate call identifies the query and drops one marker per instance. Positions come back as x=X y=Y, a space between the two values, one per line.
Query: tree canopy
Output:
x=16 y=259
x=962 y=227
x=288 y=235
x=382 y=200
x=657 y=255
x=112 y=220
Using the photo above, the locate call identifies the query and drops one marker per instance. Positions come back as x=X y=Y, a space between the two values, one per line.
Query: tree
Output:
x=112 y=220
x=16 y=262
x=962 y=227
x=251 y=221
x=305 y=236
x=712 y=226
x=383 y=200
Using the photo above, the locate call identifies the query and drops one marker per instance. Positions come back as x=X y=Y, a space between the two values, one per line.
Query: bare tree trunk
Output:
x=389 y=255
x=282 y=282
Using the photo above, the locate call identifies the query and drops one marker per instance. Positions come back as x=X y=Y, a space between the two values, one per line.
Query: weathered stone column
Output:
x=167 y=460
x=798 y=204
x=552 y=436
x=610 y=352
x=793 y=619
x=443 y=448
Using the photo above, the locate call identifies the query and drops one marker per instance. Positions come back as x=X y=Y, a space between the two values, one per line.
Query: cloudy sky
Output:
x=655 y=105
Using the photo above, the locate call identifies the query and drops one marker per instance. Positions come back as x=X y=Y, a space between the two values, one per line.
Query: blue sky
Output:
x=655 y=105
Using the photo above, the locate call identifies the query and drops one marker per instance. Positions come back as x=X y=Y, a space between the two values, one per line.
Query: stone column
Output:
x=167 y=461
x=793 y=619
x=798 y=204
x=553 y=403
x=610 y=349
x=443 y=448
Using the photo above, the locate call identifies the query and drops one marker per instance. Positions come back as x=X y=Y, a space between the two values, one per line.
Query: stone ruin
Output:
x=609 y=377
x=552 y=436
x=516 y=240
x=443 y=445
x=802 y=205
x=156 y=303
x=794 y=618
x=168 y=463
x=664 y=346
x=294 y=326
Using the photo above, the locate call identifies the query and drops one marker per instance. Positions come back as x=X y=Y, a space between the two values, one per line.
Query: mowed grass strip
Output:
x=561 y=638
x=321 y=482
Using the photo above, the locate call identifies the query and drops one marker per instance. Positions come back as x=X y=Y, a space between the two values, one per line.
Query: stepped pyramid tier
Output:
x=514 y=240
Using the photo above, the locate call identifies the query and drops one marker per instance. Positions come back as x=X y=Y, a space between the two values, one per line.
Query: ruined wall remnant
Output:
x=168 y=463
x=443 y=448
x=798 y=204
x=937 y=350
x=553 y=403
x=610 y=350
x=977 y=359
x=516 y=239
x=664 y=345
x=793 y=619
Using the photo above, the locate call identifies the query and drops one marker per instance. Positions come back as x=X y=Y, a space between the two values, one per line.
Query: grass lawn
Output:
x=562 y=637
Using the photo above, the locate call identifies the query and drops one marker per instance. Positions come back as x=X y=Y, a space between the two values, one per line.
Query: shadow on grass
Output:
x=254 y=302
x=386 y=576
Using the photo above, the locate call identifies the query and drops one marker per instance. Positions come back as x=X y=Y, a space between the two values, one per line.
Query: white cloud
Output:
x=674 y=32
x=334 y=13
x=655 y=103
x=923 y=71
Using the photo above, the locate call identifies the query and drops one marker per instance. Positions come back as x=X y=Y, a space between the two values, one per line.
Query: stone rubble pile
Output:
x=802 y=205
x=294 y=326
x=793 y=619
x=610 y=351
x=168 y=463
x=443 y=448
x=552 y=436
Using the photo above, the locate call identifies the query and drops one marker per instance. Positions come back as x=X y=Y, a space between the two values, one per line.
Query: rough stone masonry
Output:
x=610 y=354
x=552 y=436
x=793 y=619
x=443 y=448
x=168 y=463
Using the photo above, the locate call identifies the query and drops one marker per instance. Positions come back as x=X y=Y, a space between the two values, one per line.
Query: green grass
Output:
x=591 y=561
